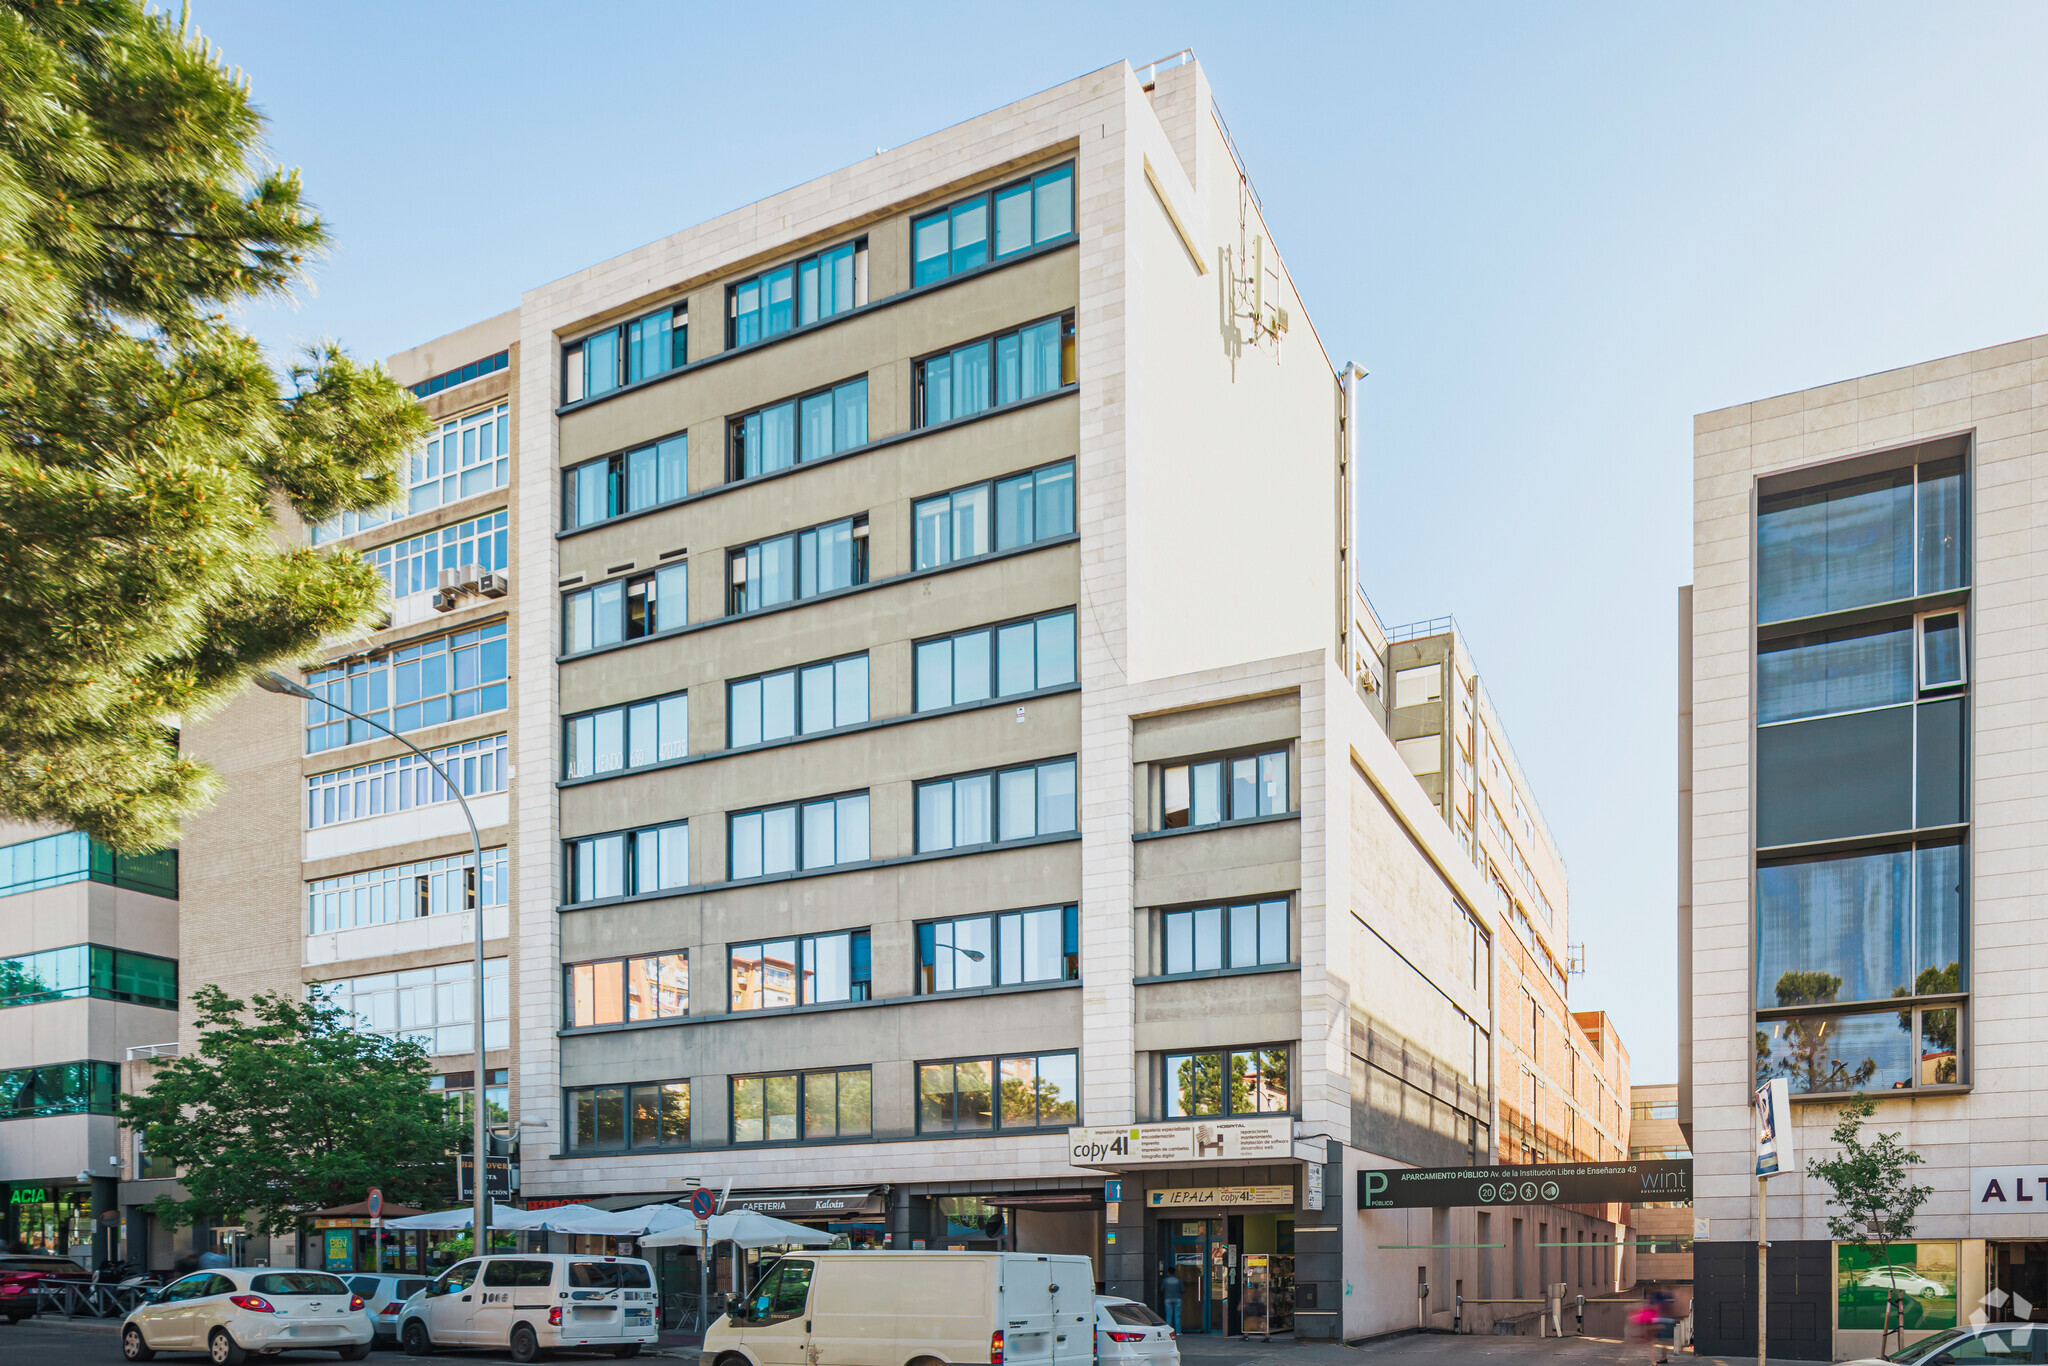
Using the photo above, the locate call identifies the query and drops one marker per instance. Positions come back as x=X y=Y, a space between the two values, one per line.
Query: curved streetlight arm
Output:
x=480 y=1207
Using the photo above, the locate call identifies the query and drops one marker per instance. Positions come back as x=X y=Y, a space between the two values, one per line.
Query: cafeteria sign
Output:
x=1570 y=1183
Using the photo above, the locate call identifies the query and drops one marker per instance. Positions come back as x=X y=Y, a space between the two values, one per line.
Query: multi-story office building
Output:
x=1663 y=1229
x=88 y=979
x=970 y=820
x=1861 y=647
x=335 y=858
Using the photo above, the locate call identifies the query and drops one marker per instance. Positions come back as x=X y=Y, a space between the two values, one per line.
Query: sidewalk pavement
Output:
x=1437 y=1349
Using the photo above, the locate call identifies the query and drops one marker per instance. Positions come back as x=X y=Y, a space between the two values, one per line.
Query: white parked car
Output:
x=230 y=1311
x=1905 y=1280
x=532 y=1302
x=1130 y=1334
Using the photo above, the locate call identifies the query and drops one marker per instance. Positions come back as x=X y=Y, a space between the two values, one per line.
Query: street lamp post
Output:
x=480 y=1207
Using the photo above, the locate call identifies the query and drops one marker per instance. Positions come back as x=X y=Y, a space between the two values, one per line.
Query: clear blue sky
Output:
x=1552 y=234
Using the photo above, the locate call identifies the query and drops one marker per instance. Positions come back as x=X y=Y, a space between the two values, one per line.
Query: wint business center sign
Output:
x=1572 y=1183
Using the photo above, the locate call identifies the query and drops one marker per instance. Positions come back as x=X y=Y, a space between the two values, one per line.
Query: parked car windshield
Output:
x=1136 y=1315
x=298 y=1283
x=1928 y=1347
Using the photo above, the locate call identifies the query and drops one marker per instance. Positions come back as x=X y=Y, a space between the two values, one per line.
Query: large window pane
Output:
x=935 y=1096
x=1938 y=878
x=1943 y=523
x=973 y=809
x=1056 y=650
x=856 y=1105
x=1834 y=929
x=1017 y=801
x=1818 y=1053
x=1941 y=752
x=973 y=1104
x=1059 y=1089
x=1835 y=671
x=1834 y=777
x=1822 y=550
x=935 y=817
x=1056 y=797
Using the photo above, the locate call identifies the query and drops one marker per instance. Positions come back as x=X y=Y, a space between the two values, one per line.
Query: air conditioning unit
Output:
x=450 y=578
x=445 y=599
x=495 y=584
x=469 y=576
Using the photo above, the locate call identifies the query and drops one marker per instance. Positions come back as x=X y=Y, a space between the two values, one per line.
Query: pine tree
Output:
x=147 y=445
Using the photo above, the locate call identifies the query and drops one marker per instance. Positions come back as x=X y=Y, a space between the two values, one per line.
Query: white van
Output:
x=531 y=1302
x=905 y=1308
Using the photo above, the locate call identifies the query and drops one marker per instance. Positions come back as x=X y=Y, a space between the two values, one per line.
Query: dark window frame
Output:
x=801 y=1076
x=1069 y=372
x=860 y=969
x=625 y=710
x=995 y=667
x=629 y=864
x=1164 y=916
x=572 y=352
x=618 y=466
x=927 y=965
x=733 y=817
x=1225 y=760
x=859 y=249
x=629 y=583
x=626 y=1098
x=735 y=426
x=622 y=963
x=797 y=671
x=736 y=559
x=1067 y=170
x=995 y=820
x=1223 y=1054
x=996 y=1124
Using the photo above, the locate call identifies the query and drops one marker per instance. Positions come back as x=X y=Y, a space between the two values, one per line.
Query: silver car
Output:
x=383 y=1296
x=1988 y=1344
x=229 y=1311
x=1130 y=1334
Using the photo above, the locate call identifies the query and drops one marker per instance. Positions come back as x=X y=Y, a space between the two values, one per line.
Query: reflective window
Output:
x=621 y=738
x=1242 y=1081
x=1210 y=938
x=436 y=1006
x=792 y=1106
x=1849 y=669
x=61 y=1088
x=809 y=291
x=1230 y=789
x=993 y=225
x=980 y=519
x=801 y=701
x=1006 y=949
x=806 y=835
x=644 y=1115
x=1865 y=926
x=89 y=970
x=626 y=354
x=995 y=371
x=627 y=990
x=629 y=862
x=812 y=969
x=995 y=661
x=1824 y=1053
x=1878 y=538
x=981 y=1094
x=799 y=429
x=991 y=808
x=614 y=485
x=405 y=891
x=406 y=782
x=419 y=685
x=802 y=564
x=73 y=856
x=626 y=609
x=414 y=566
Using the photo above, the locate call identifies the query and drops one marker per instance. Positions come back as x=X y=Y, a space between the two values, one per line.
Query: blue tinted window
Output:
x=1017 y=217
x=1834 y=671
x=1846 y=545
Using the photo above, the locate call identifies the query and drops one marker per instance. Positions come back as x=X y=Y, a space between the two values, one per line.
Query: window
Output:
x=802 y=701
x=1869 y=772
x=1217 y=790
x=468 y=456
x=415 y=565
x=802 y=564
x=979 y=1094
x=1210 y=938
x=1873 y=539
x=807 y=291
x=1417 y=686
x=812 y=970
x=1873 y=1286
x=1020 y=215
x=457 y=1090
x=629 y=862
x=626 y=354
x=993 y=372
x=647 y=1115
x=627 y=990
x=435 y=1006
x=1866 y=926
x=462 y=374
x=633 y=736
x=1242 y=1081
x=807 y=835
x=992 y=808
x=628 y=482
x=419 y=685
x=64 y=1088
x=996 y=661
x=401 y=784
x=781 y=1294
x=627 y=609
x=1008 y=949
x=980 y=519
x=1853 y=668
x=71 y=856
x=1941 y=650
x=91 y=970
x=406 y=891
x=792 y=1106
x=807 y=428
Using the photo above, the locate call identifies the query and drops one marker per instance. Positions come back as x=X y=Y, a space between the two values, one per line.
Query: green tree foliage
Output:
x=287 y=1108
x=146 y=444
x=1871 y=1186
x=1809 y=1040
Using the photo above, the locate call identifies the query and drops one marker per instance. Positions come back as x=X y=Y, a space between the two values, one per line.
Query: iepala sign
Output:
x=2008 y=1190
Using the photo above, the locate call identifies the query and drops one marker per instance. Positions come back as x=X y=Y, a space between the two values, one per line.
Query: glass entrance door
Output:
x=1189 y=1247
x=2020 y=1270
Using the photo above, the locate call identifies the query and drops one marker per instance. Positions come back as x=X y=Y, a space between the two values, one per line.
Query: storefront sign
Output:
x=1583 y=1183
x=552 y=1201
x=805 y=1206
x=1178 y=1196
x=1312 y=1186
x=2008 y=1190
x=1200 y=1140
x=501 y=1175
x=27 y=1195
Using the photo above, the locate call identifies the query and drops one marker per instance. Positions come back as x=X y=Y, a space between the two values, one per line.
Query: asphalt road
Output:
x=45 y=1342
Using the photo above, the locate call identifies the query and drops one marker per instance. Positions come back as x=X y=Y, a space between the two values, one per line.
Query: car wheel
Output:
x=132 y=1345
x=223 y=1350
x=413 y=1337
x=525 y=1346
x=355 y=1351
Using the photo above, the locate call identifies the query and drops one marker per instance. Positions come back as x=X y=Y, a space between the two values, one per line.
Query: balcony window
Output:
x=414 y=566
x=995 y=661
x=978 y=809
x=1007 y=949
x=1004 y=514
x=807 y=291
x=802 y=701
x=434 y=1006
x=618 y=739
x=629 y=862
x=626 y=609
x=808 y=835
x=813 y=969
x=627 y=990
x=405 y=891
x=800 y=565
x=799 y=429
x=405 y=783
x=791 y=1107
x=614 y=485
x=994 y=371
x=410 y=688
x=1021 y=215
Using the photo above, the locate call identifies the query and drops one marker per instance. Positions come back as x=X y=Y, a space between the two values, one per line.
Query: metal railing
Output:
x=93 y=1299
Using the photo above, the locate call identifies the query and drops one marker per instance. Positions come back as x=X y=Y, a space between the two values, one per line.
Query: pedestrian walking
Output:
x=1169 y=1298
x=1641 y=1337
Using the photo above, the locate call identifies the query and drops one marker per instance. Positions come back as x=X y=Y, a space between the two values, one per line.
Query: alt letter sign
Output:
x=2008 y=1190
